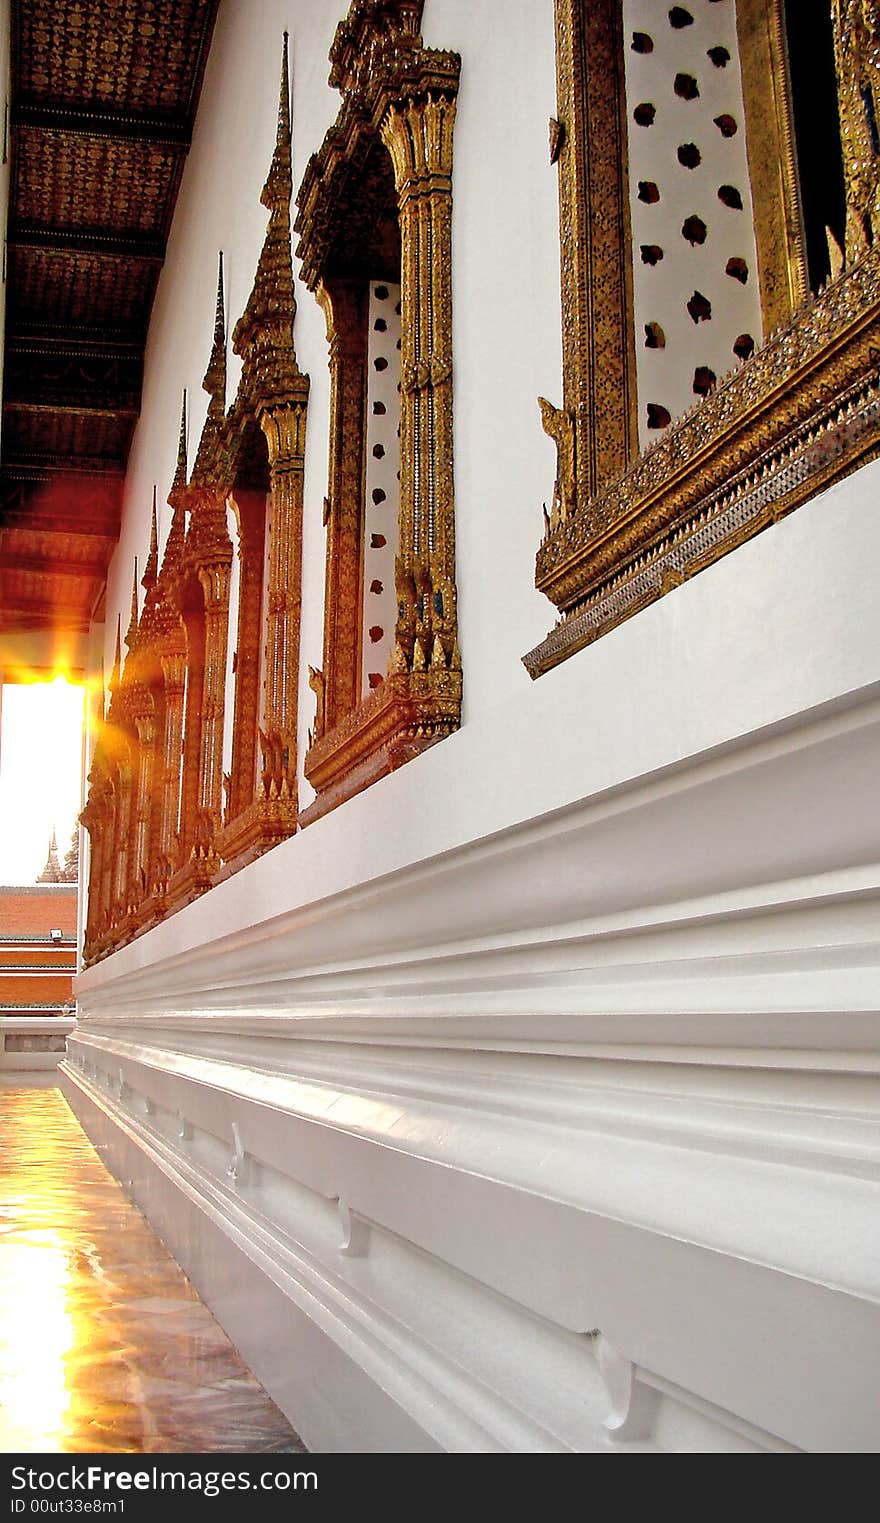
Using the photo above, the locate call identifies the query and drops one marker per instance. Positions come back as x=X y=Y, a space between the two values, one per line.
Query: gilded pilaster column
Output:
x=598 y=354
x=96 y=818
x=250 y=513
x=203 y=597
x=121 y=841
x=857 y=61
x=105 y=882
x=174 y=645
x=174 y=674
x=190 y=767
x=145 y=725
x=418 y=135
x=394 y=87
x=103 y=873
x=279 y=391
x=284 y=428
x=214 y=581
x=346 y=305
x=89 y=818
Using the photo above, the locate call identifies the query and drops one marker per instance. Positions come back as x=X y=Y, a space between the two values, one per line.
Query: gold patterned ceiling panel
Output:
x=134 y=55
x=103 y=98
x=50 y=576
x=109 y=379
x=59 y=434
x=77 y=182
x=37 y=591
x=81 y=550
x=56 y=288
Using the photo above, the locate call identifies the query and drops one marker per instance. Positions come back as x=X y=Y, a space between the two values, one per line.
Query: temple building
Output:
x=446 y=437
x=37 y=966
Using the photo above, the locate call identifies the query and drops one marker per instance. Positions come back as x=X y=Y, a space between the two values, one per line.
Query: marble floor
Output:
x=104 y=1345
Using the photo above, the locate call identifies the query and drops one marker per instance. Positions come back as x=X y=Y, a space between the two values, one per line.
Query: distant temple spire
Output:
x=70 y=869
x=52 y=871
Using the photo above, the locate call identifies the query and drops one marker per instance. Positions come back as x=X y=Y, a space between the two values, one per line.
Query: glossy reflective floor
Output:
x=104 y=1344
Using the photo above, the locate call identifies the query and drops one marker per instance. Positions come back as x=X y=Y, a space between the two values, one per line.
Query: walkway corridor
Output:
x=104 y=1344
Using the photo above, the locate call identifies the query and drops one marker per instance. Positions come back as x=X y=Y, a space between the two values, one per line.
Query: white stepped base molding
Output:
x=29 y=1043
x=608 y=1183
x=546 y=1119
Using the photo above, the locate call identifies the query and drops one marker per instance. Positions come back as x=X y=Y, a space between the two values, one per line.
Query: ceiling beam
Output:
x=42 y=565
x=61 y=333
x=94 y=120
x=127 y=407
x=67 y=346
x=23 y=617
x=104 y=530
x=144 y=248
x=29 y=462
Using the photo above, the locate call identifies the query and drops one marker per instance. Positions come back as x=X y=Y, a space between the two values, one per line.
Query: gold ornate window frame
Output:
x=397 y=93
x=770 y=142
x=161 y=744
x=800 y=414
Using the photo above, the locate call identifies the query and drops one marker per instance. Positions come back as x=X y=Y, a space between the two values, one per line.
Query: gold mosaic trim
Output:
x=801 y=414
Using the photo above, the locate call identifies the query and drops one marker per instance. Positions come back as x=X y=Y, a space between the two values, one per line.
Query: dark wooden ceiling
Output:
x=103 y=98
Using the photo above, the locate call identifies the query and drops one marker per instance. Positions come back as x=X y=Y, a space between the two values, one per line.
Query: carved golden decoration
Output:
x=133 y=770
x=284 y=428
x=171 y=654
x=559 y=426
x=413 y=708
x=198 y=589
x=779 y=233
x=345 y=305
x=161 y=830
x=801 y=413
x=397 y=96
x=143 y=71
x=598 y=355
x=250 y=513
x=276 y=392
x=96 y=817
x=857 y=62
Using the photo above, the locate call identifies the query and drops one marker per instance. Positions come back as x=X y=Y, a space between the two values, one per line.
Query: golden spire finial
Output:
x=279 y=181
x=215 y=375
x=263 y=335
x=151 y=569
x=117 y=658
x=177 y=499
x=131 y=636
x=180 y=472
x=220 y=310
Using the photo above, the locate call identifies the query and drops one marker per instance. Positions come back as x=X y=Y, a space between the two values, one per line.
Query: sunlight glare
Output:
x=36 y=1332
x=40 y=771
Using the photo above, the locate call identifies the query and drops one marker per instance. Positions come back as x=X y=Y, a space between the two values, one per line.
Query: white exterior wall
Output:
x=525 y=1101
